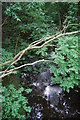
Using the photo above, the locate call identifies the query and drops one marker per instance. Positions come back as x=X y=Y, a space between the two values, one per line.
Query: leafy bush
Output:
x=42 y=51
x=31 y=25
x=72 y=16
x=6 y=56
x=66 y=57
x=14 y=104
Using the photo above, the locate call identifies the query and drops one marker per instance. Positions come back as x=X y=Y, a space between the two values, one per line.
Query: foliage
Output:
x=31 y=21
x=14 y=104
x=42 y=51
x=66 y=57
x=6 y=56
x=31 y=25
x=58 y=11
x=72 y=16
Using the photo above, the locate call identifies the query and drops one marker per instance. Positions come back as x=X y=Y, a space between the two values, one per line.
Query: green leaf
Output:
x=28 y=90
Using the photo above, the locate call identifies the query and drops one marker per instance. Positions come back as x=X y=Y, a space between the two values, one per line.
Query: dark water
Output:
x=52 y=103
x=66 y=108
x=48 y=102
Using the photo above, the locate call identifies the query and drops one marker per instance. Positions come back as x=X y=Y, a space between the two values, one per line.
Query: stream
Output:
x=51 y=102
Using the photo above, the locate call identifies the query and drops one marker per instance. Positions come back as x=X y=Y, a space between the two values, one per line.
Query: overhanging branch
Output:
x=33 y=45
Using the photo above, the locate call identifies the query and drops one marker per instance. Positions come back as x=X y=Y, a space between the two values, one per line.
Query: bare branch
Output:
x=28 y=64
x=33 y=45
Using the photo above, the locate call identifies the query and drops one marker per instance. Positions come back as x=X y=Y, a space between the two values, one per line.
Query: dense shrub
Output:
x=14 y=104
x=66 y=57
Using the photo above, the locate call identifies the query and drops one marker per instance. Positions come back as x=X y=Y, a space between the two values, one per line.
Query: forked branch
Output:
x=34 y=45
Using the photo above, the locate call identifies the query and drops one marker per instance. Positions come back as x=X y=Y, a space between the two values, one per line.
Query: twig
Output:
x=28 y=64
x=65 y=27
x=5 y=20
